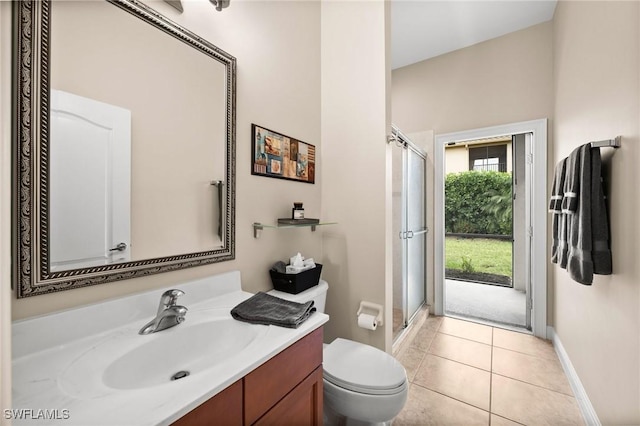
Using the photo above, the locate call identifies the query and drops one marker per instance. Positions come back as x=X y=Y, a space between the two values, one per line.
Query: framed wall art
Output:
x=280 y=156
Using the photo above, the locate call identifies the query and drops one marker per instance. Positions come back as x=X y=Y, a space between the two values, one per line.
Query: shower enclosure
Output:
x=410 y=231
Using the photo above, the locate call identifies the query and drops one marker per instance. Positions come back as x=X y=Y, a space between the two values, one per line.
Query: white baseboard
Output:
x=586 y=409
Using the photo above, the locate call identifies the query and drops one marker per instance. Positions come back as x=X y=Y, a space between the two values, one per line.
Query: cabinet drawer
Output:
x=270 y=382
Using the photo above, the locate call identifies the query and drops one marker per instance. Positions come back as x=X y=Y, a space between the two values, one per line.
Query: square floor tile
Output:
x=529 y=404
x=467 y=330
x=544 y=372
x=459 y=381
x=425 y=407
x=525 y=343
x=462 y=350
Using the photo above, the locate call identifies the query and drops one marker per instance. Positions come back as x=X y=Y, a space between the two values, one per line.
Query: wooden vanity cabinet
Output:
x=286 y=390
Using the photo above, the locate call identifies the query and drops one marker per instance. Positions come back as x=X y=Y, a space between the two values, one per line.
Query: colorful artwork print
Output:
x=277 y=155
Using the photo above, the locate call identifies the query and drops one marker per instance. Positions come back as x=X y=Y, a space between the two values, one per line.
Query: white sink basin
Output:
x=189 y=349
x=124 y=361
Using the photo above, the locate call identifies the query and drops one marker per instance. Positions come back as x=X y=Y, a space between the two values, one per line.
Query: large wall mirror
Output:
x=124 y=145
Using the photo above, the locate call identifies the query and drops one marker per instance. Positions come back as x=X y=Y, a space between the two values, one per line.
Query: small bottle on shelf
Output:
x=297 y=212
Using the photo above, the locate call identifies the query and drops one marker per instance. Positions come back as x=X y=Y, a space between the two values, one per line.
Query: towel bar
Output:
x=613 y=143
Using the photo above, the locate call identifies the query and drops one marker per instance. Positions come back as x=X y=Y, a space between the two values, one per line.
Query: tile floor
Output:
x=463 y=373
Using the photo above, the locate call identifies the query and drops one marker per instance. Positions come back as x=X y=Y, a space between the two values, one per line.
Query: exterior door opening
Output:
x=487 y=244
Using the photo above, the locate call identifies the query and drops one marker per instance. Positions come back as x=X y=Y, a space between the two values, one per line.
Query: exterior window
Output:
x=488 y=158
x=484 y=164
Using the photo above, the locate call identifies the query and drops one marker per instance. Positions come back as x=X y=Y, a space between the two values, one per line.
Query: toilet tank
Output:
x=316 y=293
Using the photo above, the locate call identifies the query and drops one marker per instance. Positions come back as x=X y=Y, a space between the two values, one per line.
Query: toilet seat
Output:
x=363 y=368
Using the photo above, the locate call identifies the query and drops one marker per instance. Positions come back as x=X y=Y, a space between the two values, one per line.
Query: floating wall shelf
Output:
x=257 y=227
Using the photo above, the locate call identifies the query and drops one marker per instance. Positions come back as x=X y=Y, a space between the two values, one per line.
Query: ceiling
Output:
x=422 y=29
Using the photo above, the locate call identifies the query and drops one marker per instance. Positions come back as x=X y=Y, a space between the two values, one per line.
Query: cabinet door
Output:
x=301 y=406
x=273 y=380
x=224 y=409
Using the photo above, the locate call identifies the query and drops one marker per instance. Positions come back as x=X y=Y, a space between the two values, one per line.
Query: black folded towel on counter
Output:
x=263 y=308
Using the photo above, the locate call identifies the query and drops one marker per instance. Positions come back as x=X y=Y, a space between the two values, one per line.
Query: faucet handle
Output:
x=169 y=298
x=181 y=311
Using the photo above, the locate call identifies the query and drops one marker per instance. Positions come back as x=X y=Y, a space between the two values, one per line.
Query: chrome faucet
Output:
x=169 y=314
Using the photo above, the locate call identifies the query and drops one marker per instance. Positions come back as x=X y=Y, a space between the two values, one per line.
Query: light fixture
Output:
x=220 y=4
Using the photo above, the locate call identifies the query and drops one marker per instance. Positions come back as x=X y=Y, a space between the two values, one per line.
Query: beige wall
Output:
x=277 y=45
x=597 y=79
x=356 y=187
x=505 y=80
x=500 y=81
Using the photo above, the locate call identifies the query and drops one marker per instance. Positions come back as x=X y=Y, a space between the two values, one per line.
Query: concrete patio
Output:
x=500 y=305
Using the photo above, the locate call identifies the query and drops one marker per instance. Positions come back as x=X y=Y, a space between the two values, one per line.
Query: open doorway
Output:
x=535 y=156
x=486 y=239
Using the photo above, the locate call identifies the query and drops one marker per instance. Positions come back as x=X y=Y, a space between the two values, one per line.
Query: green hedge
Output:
x=478 y=203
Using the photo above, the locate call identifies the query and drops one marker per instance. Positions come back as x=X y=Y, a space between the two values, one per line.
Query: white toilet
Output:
x=362 y=384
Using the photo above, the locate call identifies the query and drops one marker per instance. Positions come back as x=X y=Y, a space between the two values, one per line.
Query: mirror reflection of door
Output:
x=90 y=182
x=177 y=98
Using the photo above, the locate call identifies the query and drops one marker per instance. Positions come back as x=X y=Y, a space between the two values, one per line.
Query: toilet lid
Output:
x=362 y=368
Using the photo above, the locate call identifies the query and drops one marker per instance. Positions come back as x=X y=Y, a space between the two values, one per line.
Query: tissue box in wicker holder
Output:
x=296 y=283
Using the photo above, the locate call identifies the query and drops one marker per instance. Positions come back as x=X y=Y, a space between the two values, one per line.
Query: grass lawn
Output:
x=490 y=256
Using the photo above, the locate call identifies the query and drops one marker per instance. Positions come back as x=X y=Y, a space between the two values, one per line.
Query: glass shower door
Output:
x=416 y=234
x=409 y=222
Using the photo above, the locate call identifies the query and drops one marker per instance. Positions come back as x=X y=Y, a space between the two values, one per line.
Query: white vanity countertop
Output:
x=52 y=377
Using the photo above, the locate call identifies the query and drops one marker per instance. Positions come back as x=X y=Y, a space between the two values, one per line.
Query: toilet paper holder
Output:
x=371 y=309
